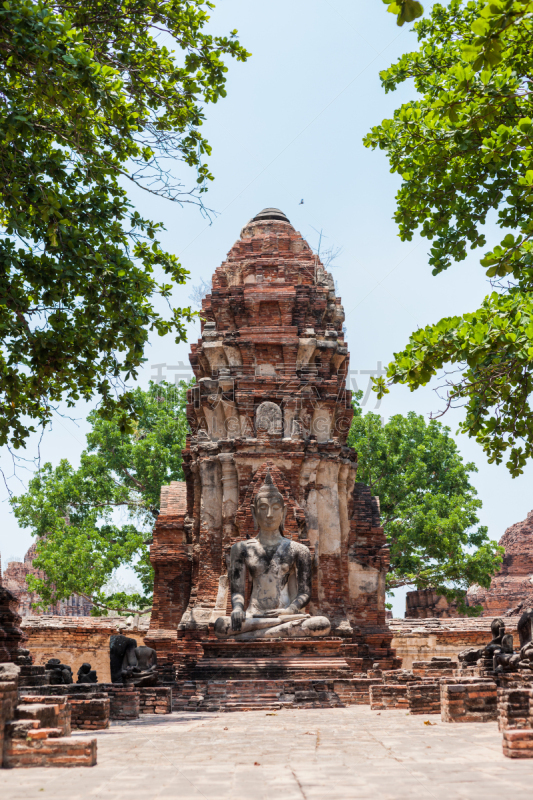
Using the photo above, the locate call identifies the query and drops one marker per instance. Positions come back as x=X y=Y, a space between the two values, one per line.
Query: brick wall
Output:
x=422 y=639
x=75 y=640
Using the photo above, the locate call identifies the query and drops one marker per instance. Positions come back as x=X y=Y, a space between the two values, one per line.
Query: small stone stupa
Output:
x=270 y=400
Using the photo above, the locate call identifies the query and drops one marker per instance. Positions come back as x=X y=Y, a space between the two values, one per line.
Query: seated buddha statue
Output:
x=471 y=655
x=525 y=631
x=280 y=572
x=140 y=666
x=505 y=659
x=86 y=674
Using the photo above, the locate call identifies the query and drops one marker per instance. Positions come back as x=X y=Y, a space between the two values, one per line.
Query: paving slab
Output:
x=311 y=754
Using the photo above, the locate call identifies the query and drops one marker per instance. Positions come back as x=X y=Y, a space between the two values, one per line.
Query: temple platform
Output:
x=224 y=695
x=271 y=674
x=273 y=658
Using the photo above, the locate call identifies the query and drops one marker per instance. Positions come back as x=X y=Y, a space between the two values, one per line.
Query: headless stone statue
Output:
x=86 y=674
x=472 y=654
x=59 y=674
x=119 y=647
x=525 y=631
x=505 y=659
x=280 y=570
x=140 y=666
x=23 y=657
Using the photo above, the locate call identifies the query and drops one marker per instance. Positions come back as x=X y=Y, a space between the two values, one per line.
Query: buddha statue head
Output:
x=268 y=507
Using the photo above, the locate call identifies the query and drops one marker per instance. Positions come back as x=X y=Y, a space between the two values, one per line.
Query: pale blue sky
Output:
x=291 y=127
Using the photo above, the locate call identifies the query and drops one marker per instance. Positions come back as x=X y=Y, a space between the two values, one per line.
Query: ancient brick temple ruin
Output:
x=14 y=579
x=511 y=589
x=271 y=372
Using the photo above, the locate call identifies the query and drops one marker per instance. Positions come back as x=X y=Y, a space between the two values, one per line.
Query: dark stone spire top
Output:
x=270 y=214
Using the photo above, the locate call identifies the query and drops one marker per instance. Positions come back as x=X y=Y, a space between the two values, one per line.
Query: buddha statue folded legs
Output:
x=289 y=627
x=280 y=572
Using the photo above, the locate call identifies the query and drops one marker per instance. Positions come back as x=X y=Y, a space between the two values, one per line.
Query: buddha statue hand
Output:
x=290 y=611
x=237 y=618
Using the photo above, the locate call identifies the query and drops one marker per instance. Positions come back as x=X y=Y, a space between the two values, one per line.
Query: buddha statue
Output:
x=280 y=571
x=525 y=631
x=472 y=655
x=86 y=674
x=58 y=674
x=505 y=659
x=140 y=666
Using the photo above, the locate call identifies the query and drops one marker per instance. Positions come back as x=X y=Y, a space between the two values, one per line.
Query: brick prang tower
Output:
x=271 y=371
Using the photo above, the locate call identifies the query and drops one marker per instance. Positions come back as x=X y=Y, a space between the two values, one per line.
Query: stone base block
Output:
x=515 y=708
x=355 y=691
x=388 y=696
x=273 y=659
x=70 y=690
x=423 y=698
x=469 y=702
x=227 y=695
x=125 y=702
x=155 y=700
x=8 y=698
x=33 y=675
x=437 y=667
x=41 y=751
x=518 y=743
x=90 y=713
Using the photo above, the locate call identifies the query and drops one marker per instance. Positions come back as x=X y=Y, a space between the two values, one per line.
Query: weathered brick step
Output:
x=49 y=752
x=250 y=706
x=212 y=663
x=253 y=695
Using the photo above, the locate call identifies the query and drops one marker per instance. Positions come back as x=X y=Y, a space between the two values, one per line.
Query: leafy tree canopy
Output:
x=428 y=505
x=92 y=99
x=464 y=149
x=74 y=513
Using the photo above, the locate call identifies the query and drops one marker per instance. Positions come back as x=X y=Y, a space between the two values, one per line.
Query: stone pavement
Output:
x=323 y=754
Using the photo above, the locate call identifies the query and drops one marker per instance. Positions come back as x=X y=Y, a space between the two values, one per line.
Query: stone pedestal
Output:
x=155 y=700
x=388 y=696
x=518 y=743
x=469 y=702
x=423 y=698
x=286 y=658
x=515 y=708
x=90 y=712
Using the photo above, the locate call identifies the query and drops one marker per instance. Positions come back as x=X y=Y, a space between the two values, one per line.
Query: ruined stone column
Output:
x=329 y=541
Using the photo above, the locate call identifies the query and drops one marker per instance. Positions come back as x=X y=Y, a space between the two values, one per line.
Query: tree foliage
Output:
x=464 y=149
x=92 y=520
x=92 y=100
x=405 y=10
x=429 y=508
